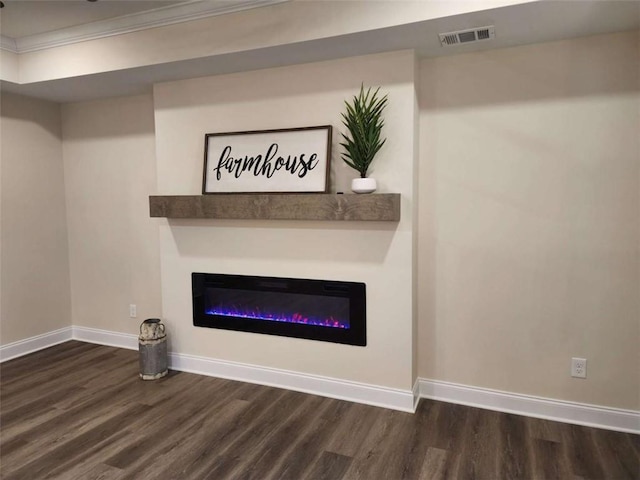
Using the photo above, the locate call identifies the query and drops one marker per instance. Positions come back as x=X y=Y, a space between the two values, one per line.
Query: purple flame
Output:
x=291 y=318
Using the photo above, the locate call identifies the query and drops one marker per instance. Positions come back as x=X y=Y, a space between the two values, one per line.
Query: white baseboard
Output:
x=416 y=394
x=33 y=344
x=394 y=399
x=106 y=337
x=531 y=406
x=318 y=385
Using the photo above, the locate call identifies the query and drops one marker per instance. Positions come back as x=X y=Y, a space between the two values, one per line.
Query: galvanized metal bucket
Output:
x=152 y=345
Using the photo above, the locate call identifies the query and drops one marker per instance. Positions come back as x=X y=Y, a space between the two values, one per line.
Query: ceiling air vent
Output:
x=467 y=36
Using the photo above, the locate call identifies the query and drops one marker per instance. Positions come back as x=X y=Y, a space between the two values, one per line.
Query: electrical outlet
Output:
x=579 y=367
x=133 y=313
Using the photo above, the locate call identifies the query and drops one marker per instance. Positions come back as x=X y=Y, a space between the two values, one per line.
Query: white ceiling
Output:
x=521 y=24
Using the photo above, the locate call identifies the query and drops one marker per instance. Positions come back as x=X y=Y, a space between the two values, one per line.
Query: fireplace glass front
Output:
x=322 y=310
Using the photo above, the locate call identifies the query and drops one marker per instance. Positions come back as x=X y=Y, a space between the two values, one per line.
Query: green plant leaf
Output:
x=363 y=120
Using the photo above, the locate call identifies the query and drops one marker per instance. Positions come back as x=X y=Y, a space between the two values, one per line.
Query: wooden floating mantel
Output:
x=307 y=206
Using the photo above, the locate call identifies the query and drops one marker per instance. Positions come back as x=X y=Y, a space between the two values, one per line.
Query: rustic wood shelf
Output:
x=366 y=207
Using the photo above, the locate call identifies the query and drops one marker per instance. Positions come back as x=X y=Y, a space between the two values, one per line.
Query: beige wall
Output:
x=9 y=66
x=379 y=254
x=529 y=219
x=34 y=260
x=109 y=162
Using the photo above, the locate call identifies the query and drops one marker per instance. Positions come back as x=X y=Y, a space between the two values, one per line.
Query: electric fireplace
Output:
x=329 y=311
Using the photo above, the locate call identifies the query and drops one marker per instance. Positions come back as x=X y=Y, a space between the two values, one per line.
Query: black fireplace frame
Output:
x=356 y=334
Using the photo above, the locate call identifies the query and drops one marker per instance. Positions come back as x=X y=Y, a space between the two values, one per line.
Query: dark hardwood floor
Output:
x=79 y=411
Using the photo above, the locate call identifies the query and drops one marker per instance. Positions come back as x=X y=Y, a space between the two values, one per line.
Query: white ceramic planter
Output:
x=363 y=185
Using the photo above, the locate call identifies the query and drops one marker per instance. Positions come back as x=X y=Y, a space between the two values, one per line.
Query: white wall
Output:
x=109 y=163
x=378 y=254
x=34 y=260
x=529 y=219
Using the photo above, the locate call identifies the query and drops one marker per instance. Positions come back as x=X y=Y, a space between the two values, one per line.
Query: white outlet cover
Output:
x=579 y=367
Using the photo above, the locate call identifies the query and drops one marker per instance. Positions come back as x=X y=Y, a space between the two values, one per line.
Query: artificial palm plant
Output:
x=363 y=119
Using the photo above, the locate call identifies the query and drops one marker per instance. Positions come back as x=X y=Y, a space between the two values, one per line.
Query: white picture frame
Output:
x=293 y=160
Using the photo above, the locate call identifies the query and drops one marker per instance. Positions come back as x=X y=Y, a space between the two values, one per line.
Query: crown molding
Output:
x=8 y=44
x=159 y=17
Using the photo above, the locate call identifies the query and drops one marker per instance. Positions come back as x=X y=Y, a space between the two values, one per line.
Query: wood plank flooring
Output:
x=79 y=411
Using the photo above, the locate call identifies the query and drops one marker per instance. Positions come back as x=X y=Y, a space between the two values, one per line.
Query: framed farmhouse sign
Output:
x=268 y=161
